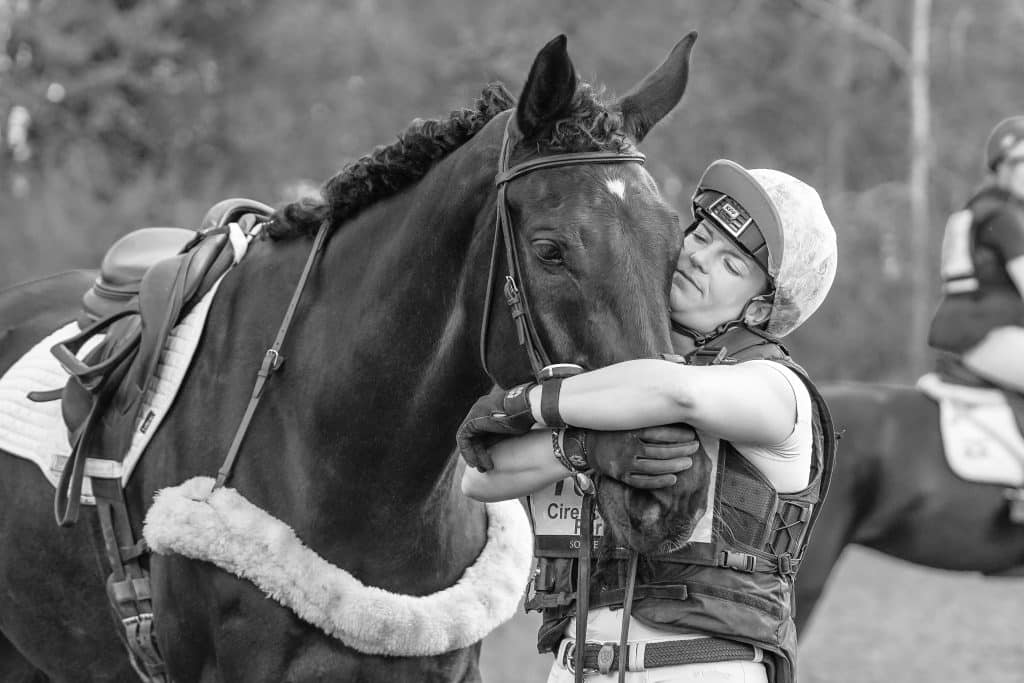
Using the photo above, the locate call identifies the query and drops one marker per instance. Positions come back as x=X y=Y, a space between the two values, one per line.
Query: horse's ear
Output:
x=547 y=95
x=659 y=92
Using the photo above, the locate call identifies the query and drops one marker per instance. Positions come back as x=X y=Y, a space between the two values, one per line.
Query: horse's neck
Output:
x=411 y=273
x=380 y=364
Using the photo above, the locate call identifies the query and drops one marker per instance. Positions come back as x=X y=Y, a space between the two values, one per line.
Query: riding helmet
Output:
x=781 y=222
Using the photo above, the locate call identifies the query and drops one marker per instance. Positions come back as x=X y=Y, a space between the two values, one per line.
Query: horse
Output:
x=392 y=340
x=893 y=491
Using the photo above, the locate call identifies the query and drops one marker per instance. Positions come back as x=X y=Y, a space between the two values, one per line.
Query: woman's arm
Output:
x=747 y=403
x=522 y=465
x=649 y=459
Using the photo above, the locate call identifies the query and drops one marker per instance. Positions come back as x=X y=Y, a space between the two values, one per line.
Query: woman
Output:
x=981 y=316
x=756 y=262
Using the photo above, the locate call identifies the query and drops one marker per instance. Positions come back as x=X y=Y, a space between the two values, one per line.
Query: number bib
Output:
x=556 y=512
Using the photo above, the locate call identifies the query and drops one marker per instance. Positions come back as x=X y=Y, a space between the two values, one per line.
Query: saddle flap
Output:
x=169 y=290
x=981 y=433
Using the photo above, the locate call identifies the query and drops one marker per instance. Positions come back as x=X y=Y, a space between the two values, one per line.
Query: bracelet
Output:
x=556 y=449
x=574 y=445
x=569 y=459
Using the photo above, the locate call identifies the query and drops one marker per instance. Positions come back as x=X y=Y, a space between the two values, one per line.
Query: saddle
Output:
x=953 y=379
x=149 y=279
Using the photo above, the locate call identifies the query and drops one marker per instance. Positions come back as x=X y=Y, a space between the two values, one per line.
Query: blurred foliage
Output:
x=146 y=113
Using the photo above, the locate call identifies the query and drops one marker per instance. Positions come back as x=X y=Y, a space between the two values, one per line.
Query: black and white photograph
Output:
x=479 y=341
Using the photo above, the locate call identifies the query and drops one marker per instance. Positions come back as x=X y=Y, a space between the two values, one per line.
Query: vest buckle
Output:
x=708 y=355
x=788 y=564
x=743 y=562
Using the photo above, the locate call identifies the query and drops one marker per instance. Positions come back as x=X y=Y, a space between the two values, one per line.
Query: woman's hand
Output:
x=645 y=459
x=494 y=416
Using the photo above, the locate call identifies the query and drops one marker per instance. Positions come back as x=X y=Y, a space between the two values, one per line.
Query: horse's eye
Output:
x=548 y=252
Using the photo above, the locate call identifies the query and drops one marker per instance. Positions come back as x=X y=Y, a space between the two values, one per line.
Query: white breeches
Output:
x=999 y=357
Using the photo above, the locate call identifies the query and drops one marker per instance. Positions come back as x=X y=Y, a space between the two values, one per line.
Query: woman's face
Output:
x=1011 y=170
x=714 y=280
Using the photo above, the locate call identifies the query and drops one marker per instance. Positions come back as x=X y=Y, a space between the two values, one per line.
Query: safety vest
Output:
x=978 y=293
x=736 y=583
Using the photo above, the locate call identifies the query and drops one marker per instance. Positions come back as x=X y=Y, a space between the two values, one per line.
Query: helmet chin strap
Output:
x=702 y=338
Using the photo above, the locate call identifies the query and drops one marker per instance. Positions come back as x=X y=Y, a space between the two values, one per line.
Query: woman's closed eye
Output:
x=702 y=234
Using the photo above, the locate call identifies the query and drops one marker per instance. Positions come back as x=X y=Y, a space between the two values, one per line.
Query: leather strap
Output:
x=272 y=361
x=627 y=609
x=583 y=579
x=128 y=586
x=549 y=393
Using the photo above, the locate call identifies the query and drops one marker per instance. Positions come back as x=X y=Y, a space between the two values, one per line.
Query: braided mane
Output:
x=390 y=168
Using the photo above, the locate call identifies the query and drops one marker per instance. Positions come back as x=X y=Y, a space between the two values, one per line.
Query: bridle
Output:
x=515 y=295
x=540 y=361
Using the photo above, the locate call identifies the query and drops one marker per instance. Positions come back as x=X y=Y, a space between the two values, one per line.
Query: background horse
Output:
x=893 y=491
x=353 y=443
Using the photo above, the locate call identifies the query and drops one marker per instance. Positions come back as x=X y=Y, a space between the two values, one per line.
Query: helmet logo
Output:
x=730 y=216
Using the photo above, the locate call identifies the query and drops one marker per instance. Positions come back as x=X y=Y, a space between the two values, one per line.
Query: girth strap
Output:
x=128 y=586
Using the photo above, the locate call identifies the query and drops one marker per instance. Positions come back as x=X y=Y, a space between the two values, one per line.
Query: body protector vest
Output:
x=978 y=293
x=737 y=581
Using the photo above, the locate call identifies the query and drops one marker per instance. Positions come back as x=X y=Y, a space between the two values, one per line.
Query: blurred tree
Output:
x=117 y=114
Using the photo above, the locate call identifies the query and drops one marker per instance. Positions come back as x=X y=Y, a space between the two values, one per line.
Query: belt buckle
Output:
x=605 y=657
x=569 y=655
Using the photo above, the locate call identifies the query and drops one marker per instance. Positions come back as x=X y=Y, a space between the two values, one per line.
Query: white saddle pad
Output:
x=979 y=432
x=36 y=431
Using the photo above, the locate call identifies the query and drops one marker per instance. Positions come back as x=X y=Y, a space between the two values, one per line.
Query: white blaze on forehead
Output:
x=617 y=187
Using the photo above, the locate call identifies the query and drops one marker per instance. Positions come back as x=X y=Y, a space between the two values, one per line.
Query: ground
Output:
x=881 y=620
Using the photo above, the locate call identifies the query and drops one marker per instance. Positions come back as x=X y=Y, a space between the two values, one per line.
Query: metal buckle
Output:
x=788 y=564
x=511 y=291
x=583 y=484
x=569 y=656
x=716 y=354
x=558 y=370
x=605 y=657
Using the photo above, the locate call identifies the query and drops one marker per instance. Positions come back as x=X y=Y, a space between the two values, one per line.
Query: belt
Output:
x=642 y=655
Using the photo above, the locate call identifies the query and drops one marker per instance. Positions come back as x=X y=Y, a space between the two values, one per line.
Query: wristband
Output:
x=549 y=392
